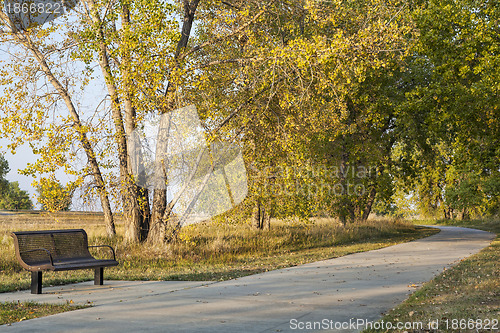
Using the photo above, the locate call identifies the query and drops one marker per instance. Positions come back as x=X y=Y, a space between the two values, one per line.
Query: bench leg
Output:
x=36 y=282
x=98 y=276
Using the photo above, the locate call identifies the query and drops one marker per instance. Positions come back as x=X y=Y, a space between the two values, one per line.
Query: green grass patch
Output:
x=464 y=298
x=13 y=312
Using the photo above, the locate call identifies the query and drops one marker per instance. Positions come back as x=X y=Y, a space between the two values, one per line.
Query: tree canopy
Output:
x=449 y=129
x=337 y=105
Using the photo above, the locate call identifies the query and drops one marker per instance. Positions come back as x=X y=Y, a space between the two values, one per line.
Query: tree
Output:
x=14 y=198
x=310 y=74
x=448 y=124
x=142 y=64
x=53 y=196
x=11 y=196
x=4 y=169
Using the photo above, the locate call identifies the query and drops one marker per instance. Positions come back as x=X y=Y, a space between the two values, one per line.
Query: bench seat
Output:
x=71 y=264
x=82 y=264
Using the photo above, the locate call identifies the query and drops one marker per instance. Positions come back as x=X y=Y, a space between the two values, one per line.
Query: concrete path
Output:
x=325 y=295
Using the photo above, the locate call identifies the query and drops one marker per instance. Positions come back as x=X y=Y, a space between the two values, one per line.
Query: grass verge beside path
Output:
x=12 y=312
x=464 y=298
x=208 y=252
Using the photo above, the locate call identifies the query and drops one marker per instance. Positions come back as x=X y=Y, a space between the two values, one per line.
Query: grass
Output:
x=463 y=298
x=206 y=251
x=15 y=312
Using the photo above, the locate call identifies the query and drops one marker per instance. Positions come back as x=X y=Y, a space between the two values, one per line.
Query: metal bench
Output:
x=58 y=250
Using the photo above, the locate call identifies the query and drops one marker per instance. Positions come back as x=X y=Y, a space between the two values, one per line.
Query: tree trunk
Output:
x=141 y=194
x=369 y=204
x=465 y=214
x=132 y=212
x=157 y=228
x=343 y=219
x=256 y=216
x=446 y=213
x=267 y=215
x=189 y=11
x=163 y=226
x=261 y=216
x=82 y=136
x=351 y=210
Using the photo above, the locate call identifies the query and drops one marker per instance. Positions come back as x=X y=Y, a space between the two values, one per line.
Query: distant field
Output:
x=35 y=219
x=92 y=222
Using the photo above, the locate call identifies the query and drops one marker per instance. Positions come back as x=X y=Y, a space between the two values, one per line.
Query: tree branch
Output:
x=221 y=38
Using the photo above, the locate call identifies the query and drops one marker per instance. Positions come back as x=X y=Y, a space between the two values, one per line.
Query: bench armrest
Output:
x=41 y=249
x=112 y=250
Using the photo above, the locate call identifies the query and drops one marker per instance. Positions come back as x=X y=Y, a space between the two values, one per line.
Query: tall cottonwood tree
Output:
x=33 y=83
x=448 y=125
x=313 y=73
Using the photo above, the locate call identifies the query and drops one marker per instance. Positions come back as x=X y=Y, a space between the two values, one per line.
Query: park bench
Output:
x=58 y=250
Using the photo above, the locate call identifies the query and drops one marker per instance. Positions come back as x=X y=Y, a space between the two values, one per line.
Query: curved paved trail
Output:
x=344 y=291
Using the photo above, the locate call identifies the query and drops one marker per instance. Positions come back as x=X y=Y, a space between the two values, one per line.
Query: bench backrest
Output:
x=62 y=244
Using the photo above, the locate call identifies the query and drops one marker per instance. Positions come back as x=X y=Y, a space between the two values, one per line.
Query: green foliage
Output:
x=11 y=196
x=4 y=169
x=14 y=198
x=448 y=126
